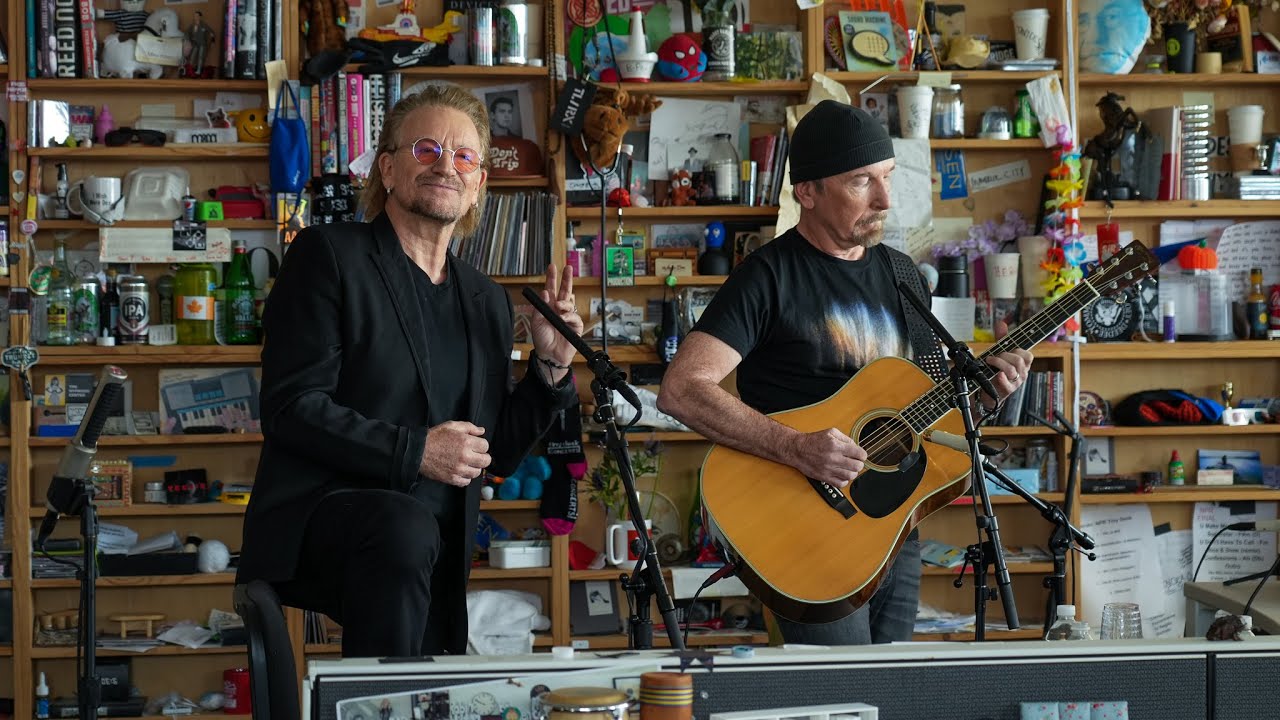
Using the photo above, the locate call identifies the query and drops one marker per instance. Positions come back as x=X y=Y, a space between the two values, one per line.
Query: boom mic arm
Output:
x=66 y=495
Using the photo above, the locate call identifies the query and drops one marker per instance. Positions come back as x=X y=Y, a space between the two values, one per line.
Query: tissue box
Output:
x=1027 y=478
x=520 y=553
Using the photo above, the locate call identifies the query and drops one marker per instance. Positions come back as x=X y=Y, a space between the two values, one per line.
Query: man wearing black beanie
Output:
x=797 y=319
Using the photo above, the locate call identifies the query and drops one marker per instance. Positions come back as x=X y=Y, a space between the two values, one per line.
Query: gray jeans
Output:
x=889 y=617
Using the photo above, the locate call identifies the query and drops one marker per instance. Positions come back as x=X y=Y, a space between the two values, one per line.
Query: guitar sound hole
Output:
x=887 y=440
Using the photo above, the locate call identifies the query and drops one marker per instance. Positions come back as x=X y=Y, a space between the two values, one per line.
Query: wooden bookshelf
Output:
x=675 y=214
x=87 y=225
x=150 y=355
x=1231 y=350
x=148 y=510
x=130 y=581
x=733 y=87
x=185 y=86
x=175 y=152
x=1206 y=431
x=157 y=440
x=1190 y=209
x=1188 y=79
x=1187 y=494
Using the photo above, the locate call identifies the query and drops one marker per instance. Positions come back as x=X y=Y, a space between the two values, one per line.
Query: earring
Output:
x=388 y=189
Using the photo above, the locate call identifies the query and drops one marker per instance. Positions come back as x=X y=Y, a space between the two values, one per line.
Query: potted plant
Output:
x=606 y=481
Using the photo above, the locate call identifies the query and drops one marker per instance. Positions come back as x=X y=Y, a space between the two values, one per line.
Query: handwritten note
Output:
x=1249 y=245
x=1173 y=548
x=999 y=176
x=691 y=126
x=910 y=204
x=1050 y=106
x=1127 y=568
x=1233 y=554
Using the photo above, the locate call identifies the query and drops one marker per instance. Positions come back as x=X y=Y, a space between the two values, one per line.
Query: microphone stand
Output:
x=645 y=581
x=70 y=494
x=964 y=366
x=1064 y=537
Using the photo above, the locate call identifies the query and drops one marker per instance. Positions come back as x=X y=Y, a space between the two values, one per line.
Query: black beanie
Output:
x=833 y=138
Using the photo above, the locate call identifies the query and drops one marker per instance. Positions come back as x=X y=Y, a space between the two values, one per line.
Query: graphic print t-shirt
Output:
x=805 y=322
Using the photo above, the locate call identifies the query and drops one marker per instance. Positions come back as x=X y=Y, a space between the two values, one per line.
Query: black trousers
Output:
x=372 y=560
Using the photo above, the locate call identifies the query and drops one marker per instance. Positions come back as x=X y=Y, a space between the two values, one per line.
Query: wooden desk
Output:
x=1203 y=598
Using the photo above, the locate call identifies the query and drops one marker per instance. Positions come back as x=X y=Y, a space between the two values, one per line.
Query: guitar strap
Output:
x=925 y=350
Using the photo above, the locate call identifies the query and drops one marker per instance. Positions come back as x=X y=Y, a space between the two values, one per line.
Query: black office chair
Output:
x=273 y=678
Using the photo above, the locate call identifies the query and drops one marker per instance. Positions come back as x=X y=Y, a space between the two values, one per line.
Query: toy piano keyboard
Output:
x=210 y=400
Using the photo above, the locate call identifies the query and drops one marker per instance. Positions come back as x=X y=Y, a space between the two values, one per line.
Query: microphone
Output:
x=593 y=356
x=66 y=495
x=956 y=442
x=1257 y=526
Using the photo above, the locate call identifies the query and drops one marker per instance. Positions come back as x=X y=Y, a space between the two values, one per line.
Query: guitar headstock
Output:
x=1127 y=267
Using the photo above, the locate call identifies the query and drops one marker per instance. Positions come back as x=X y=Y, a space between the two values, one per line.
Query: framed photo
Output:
x=1245 y=465
x=112 y=483
x=1099 y=456
x=877 y=106
x=620 y=266
x=510 y=110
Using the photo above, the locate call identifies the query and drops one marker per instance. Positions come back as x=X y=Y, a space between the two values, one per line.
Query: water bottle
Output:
x=1062 y=624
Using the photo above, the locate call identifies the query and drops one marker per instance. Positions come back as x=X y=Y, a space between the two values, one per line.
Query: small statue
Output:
x=199 y=37
x=1117 y=121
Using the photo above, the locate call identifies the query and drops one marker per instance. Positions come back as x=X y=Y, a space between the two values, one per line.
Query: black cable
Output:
x=1205 y=554
x=1254 y=595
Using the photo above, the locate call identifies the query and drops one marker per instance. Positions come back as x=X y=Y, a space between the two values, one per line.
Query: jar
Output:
x=722 y=162
x=154 y=492
x=948 y=112
x=1037 y=454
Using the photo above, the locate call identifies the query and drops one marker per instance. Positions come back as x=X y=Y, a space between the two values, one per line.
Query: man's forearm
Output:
x=726 y=420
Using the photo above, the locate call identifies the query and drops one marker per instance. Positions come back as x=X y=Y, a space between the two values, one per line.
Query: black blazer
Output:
x=345 y=367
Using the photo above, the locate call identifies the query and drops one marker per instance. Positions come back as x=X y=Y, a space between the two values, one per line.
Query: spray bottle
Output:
x=42 y=698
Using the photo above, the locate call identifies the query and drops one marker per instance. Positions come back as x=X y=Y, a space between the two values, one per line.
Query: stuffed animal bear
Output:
x=606 y=120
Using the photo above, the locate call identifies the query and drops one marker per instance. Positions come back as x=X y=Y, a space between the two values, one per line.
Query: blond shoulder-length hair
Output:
x=374 y=196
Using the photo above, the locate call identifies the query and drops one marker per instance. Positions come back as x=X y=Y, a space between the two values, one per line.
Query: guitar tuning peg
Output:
x=1128 y=276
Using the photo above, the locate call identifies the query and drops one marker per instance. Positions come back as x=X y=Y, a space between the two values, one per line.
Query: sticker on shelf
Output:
x=18 y=91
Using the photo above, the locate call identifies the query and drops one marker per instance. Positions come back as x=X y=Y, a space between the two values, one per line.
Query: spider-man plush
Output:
x=680 y=58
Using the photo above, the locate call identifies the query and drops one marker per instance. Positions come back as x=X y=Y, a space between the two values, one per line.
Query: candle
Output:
x=1108 y=240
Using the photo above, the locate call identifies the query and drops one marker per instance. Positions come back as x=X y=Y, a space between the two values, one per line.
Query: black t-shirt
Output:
x=449 y=359
x=805 y=322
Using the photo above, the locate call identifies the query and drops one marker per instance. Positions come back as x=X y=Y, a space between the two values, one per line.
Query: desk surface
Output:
x=1266 y=607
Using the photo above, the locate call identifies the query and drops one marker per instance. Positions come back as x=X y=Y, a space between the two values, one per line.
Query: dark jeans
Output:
x=367 y=560
x=889 y=617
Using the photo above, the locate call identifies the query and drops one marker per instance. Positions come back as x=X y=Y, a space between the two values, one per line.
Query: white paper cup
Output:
x=1002 y=275
x=1033 y=249
x=1030 y=28
x=1245 y=124
x=915 y=105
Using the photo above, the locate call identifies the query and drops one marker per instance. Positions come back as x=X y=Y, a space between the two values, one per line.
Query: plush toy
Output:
x=606 y=120
x=119 y=56
x=526 y=482
x=680 y=58
x=682 y=190
x=323 y=22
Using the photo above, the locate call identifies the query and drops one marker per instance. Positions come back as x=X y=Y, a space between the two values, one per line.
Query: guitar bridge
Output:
x=834 y=498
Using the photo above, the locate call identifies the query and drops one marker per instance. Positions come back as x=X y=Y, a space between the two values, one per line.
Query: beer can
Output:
x=84 y=310
x=480 y=22
x=513 y=33
x=135 y=310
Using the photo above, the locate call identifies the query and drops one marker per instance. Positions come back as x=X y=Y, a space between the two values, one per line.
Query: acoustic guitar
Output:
x=815 y=553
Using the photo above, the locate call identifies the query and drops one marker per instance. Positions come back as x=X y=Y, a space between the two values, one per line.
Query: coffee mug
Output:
x=97 y=199
x=620 y=543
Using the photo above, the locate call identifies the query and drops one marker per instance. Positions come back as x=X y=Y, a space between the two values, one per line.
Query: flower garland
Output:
x=1066 y=251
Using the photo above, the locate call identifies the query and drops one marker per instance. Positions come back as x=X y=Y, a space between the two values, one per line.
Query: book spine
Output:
x=344 y=145
x=88 y=40
x=355 y=119
x=229 y=39
x=377 y=108
x=65 y=27
x=263 y=35
x=246 y=39
x=33 y=47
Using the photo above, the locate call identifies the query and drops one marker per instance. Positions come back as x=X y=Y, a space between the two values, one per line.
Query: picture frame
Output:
x=1099 y=456
x=620 y=264
x=510 y=109
x=678 y=261
x=112 y=482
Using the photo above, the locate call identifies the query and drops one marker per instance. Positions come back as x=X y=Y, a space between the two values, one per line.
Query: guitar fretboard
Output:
x=935 y=403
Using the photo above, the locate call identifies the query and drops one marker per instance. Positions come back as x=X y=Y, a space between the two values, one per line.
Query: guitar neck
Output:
x=935 y=403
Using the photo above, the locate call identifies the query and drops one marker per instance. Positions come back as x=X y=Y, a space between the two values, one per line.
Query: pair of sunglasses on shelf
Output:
x=127 y=136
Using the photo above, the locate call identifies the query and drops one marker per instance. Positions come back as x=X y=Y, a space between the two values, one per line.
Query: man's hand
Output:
x=455 y=454
x=548 y=343
x=828 y=456
x=1013 y=368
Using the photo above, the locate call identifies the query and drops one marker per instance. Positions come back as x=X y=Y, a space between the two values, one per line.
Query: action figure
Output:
x=199 y=37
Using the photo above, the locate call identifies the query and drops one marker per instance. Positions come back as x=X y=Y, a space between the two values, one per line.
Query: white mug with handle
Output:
x=619 y=543
x=98 y=199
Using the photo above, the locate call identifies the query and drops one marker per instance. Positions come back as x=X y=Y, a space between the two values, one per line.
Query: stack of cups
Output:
x=1030 y=28
x=1244 y=123
x=1121 y=621
x=915 y=105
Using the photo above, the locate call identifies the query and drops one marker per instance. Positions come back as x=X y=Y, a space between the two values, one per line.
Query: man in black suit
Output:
x=386 y=393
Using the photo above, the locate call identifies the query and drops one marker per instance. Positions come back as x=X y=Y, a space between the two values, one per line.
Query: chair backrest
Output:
x=273 y=678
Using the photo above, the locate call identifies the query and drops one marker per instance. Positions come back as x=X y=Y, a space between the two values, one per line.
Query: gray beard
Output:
x=423 y=209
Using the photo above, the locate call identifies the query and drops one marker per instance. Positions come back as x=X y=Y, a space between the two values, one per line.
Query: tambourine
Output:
x=581 y=703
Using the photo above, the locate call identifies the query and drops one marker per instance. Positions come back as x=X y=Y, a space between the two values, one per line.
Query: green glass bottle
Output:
x=59 y=302
x=193 y=303
x=241 y=318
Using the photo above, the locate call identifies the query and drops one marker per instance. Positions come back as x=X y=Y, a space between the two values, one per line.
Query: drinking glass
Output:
x=1121 y=621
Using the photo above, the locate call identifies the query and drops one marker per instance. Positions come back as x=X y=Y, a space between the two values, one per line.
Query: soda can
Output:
x=513 y=33
x=480 y=21
x=84 y=310
x=135 y=310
